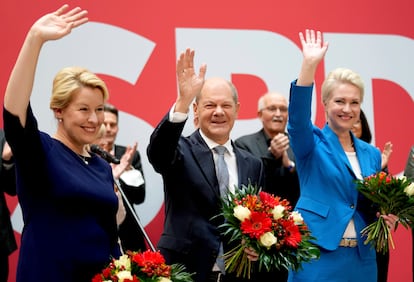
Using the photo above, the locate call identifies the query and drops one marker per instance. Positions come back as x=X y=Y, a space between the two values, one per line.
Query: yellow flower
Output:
x=268 y=239
x=409 y=190
x=122 y=275
x=278 y=212
x=241 y=213
x=163 y=279
x=297 y=217
x=123 y=261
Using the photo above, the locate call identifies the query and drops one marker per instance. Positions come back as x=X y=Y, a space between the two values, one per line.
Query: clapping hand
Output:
x=125 y=161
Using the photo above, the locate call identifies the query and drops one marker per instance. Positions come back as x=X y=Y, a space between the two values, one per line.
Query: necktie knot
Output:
x=220 y=150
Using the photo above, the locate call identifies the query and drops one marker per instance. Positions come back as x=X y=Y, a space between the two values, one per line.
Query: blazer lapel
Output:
x=363 y=157
x=337 y=149
x=204 y=158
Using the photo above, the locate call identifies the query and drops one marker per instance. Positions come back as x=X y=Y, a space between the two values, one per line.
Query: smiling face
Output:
x=273 y=112
x=343 y=107
x=216 y=109
x=81 y=119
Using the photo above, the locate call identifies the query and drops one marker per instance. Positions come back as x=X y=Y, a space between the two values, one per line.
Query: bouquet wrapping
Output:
x=264 y=222
x=142 y=267
x=392 y=195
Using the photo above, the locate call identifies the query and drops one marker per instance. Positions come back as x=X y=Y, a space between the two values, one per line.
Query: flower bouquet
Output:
x=392 y=195
x=142 y=267
x=265 y=223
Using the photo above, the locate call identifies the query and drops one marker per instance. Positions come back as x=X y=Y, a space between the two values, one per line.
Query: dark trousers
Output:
x=274 y=276
x=382 y=266
x=4 y=267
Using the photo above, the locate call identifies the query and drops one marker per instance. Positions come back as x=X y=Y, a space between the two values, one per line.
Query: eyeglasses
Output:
x=274 y=109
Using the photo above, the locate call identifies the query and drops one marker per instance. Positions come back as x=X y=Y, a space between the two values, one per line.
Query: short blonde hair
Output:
x=341 y=76
x=69 y=81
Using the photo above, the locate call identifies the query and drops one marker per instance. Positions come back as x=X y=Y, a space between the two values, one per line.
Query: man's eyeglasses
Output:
x=273 y=109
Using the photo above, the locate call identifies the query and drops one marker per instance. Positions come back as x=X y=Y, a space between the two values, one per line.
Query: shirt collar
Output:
x=211 y=144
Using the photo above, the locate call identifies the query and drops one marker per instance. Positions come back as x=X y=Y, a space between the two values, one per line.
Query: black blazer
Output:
x=192 y=196
x=7 y=185
x=278 y=179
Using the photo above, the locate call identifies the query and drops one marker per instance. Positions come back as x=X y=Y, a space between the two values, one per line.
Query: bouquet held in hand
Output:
x=264 y=222
x=392 y=195
x=142 y=267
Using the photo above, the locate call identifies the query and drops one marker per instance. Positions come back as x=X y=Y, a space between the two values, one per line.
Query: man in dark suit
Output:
x=271 y=145
x=132 y=182
x=187 y=165
x=8 y=185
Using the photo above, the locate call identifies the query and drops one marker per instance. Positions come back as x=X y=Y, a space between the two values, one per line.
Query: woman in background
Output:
x=362 y=131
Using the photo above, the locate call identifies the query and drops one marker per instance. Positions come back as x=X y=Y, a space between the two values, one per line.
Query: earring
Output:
x=59 y=120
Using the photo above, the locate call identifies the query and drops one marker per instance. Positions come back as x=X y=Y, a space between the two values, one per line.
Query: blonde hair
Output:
x=101 y=132
x=341 y=76
x=69 y=81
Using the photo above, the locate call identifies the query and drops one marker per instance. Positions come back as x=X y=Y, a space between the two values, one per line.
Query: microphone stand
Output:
x=134 y=214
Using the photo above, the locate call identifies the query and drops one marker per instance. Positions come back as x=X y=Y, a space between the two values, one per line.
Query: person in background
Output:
x=271 y=145
x=362 y=131
x=131 y=180
x=7 y=185
x=117 y=170
x=329 y=161
x=409 y=173
x=187 y=164
x=66 y=193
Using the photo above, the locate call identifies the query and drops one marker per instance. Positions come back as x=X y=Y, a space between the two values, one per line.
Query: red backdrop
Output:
x=134 y=44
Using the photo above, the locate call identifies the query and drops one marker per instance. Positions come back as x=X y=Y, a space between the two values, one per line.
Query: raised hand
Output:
x=312 y=47
x=313 y=50
x=55 y=25
x=51 y=26
x=189 y=82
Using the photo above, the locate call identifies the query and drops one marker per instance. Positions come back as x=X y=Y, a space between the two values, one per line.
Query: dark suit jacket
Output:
x=192 y=197
x=129 y=231
x=7 y=185
x=278 y=179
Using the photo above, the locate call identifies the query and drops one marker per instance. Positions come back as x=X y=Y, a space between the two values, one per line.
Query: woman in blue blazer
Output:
x=329 y=161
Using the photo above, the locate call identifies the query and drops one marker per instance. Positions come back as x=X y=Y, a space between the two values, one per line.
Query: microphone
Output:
x=104 y=154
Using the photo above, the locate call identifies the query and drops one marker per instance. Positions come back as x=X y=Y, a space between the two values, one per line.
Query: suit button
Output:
x=352 y=206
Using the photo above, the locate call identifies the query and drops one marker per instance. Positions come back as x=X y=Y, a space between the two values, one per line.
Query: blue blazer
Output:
x=329 y=198
x=192 y=196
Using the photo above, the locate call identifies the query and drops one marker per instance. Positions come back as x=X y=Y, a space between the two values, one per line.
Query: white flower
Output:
x=122 y=275
x=409 y=190
x=268 y=239
x=278 y=212
x=123 y=261
x=402 y=177
x=164 y=279
x=241 y=213
x=297 y=217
